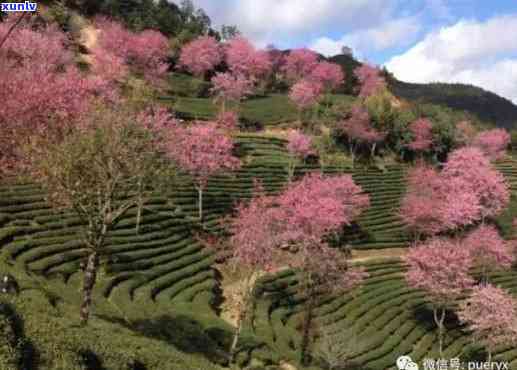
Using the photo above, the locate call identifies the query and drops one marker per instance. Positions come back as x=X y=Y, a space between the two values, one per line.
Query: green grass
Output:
x=270 y=110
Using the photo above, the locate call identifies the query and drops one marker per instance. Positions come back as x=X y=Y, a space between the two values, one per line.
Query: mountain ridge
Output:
x=485 y=105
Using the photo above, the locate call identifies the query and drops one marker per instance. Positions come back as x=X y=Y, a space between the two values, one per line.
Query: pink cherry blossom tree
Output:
x=228 y=120
x=228 y=87
x=299 y=64
x=481 y=178
x=201 y=55
x=244 y=60
x=203 y=151
x=422 y=133
x=488 y=249
x=253 y=243
x=370 y=80
x=312 y=208
x=491 y=315
x=441 y=269
x=359 y=131
x=318 y=205
x=493 y=142
x=301 y=216
x=419 y=209
x=42 y=91
x=329 y=75
x=433 y=205
x=145 y=52
x=299 y=147
x=467 y=191
x=305 y=94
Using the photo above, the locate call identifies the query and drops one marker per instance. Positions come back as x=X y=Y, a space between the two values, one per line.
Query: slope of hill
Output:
x=156 y=306
x=158 y=296
x=485 y=105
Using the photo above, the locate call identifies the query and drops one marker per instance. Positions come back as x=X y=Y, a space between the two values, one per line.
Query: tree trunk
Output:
x=489 y=355
x=90 y=275
x=372 y=153
x=306 y=330
x=290 y=170
x=200 y=203
x=242 y=315
x=139 y=208
x=11 y=29
x=439 y=322
x=352 y=153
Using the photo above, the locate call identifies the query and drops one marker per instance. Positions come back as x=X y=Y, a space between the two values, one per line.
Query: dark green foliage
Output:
x=485 y=105
x=349 y=64
x=185 y=21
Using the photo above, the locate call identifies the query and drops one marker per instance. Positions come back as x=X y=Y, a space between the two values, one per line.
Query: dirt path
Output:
x=232 y=290
x=368 y=255
x=89 y=36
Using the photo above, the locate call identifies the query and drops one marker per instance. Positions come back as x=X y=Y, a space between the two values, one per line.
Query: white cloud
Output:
x=479 y=53
x=288 y=22
x=393 y=33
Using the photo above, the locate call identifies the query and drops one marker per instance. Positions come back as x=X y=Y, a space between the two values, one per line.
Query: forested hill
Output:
x=487 y=106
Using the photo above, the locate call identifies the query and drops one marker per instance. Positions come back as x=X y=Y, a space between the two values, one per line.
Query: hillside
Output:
x=159 y=288
x=164 y=298
x=485 y=105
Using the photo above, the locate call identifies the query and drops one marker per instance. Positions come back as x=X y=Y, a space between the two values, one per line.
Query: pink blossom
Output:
x=466 y=191
x=244 y=60
x=201 y=150
x=230 y=87
x=440 y=267
x=493 y=142
x=201 y=55
x=422 y=133
x=358 y=127
x=491 y=315
x=41 y=89
x=299 y=64
x=488 y=249
x=317 y=205
x=432 y=205
x=488 y=184
x=370 y=80
x=329 y=75
x=302 y=214
x=157 y=119
x=146 y=52
x=228 y=120
x=299 y=145
x=254 y=239
x=305 y=94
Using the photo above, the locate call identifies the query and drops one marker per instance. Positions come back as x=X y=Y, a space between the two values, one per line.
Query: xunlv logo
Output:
x=19 y=7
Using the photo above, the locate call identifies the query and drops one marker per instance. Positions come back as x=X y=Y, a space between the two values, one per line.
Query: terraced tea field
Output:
x=164 y=264
x=388 y=319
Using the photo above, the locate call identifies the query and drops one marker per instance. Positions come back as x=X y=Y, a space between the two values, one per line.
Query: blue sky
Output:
x=473 y=41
